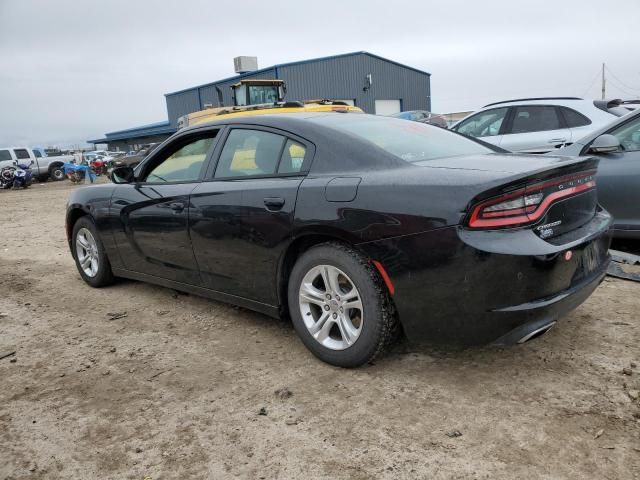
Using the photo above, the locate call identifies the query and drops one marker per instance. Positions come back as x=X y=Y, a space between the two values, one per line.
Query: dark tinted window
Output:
x=249 y=152
x=483 y=124
x=21 y=153
x=5 y=155
x=573 y=118
x=410 y=141
x=535 y=118
x=292 y=157
x=37 y=153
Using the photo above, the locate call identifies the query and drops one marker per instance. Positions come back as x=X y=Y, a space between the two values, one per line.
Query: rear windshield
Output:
x=410 y=141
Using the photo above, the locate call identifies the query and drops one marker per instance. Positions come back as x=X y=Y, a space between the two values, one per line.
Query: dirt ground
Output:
x=184 y=387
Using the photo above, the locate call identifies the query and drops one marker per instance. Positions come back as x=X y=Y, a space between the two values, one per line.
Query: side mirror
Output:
x=31 y=163
x=605 y=144
x=122 y=175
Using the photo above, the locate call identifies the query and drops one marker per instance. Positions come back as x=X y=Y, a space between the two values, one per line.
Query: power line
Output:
x=620 y=81
x=622 y=89
x=591 y=84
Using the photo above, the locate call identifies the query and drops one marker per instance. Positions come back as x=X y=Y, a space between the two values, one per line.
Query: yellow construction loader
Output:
x=261 y=97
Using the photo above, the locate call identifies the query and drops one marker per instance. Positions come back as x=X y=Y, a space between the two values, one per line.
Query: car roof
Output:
x=535 y=100
x=279 y=120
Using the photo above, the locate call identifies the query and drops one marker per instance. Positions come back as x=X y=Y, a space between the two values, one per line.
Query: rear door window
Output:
x=573 y=118
x=249 y=153
x=292 y=158
x=5 y=155
x=21 y=153
x=535 y=118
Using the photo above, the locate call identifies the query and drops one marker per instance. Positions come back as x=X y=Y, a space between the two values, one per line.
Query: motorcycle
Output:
x=99 y=166
x=7 y=175
x=78 y=173
x=23 y=175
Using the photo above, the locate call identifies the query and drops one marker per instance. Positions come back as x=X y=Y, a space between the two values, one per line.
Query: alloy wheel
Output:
x=87 y=252
x=331 y=307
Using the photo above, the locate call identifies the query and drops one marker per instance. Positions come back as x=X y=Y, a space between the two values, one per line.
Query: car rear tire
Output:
x=89 y=253
x=340 y=306
x=57 y=173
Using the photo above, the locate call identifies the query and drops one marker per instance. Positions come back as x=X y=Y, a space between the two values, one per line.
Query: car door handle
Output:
x=558 y=140
x=177 y=206
x=274 y=203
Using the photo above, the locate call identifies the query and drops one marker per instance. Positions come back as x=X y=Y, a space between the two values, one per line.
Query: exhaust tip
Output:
x=537 y=332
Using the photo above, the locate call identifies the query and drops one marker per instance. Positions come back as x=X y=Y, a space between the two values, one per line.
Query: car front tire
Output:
x=89 y=253
x=339 y=305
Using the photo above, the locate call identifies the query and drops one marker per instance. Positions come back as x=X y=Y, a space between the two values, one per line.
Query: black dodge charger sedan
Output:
x=357 y=227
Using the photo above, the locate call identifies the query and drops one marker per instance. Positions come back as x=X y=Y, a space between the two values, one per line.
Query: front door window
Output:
x=629 y=135
x=483 y=124
x=183 y=165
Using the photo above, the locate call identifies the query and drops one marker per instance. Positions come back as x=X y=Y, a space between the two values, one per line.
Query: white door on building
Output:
x=387 y=107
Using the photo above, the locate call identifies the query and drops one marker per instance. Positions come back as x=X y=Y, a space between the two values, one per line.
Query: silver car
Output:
x=618 y=180
x=539 y=125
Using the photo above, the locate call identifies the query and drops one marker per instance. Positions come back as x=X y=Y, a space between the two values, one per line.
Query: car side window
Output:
x=5 y=155
x=184 y=164
x=573 y=118
x=534 y=118
x=629 y=135
x=483 y=124
x=292 y=157
x=250 y=152
x=37 y=153
x=21 y=153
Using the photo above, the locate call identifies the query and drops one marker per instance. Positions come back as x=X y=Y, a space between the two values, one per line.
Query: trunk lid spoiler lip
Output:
x=580 y=164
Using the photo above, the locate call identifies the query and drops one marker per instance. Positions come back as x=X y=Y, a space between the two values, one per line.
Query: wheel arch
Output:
x=74 y=213
x=301 y=242
x=55 y=164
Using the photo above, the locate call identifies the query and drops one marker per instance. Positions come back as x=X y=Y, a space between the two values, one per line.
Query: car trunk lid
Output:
x=553 y=196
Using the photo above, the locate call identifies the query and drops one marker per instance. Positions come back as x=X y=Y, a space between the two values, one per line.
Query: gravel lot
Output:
x=137 y=381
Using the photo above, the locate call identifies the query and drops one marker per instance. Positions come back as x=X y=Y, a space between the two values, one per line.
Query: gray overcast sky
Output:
x=73 y=70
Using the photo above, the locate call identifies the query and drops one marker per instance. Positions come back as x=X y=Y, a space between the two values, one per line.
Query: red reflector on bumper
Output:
x=385 y=276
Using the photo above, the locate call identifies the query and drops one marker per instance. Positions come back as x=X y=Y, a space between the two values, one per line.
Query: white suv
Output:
x=539 y=125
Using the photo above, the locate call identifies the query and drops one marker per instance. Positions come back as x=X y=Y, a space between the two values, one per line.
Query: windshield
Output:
x=410 y=141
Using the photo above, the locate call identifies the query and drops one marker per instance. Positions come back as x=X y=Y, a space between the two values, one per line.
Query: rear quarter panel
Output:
x=394 y=202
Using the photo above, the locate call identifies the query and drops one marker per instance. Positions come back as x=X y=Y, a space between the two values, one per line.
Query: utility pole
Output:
x=603 y=81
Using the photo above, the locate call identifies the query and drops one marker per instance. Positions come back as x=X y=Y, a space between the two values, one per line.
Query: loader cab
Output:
x=258 y=92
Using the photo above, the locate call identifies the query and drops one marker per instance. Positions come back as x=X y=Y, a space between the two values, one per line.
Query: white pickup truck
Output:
x=43 y=166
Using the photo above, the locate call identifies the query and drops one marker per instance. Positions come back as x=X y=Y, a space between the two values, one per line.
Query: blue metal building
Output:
x=373 y=83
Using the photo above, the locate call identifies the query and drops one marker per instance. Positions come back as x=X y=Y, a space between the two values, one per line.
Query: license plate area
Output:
x=591 y=258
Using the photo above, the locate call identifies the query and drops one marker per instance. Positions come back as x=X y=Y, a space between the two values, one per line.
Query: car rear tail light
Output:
x=528 y=204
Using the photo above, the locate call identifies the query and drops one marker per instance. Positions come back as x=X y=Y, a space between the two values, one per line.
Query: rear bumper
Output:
x=535 y=316
x=455 y=287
